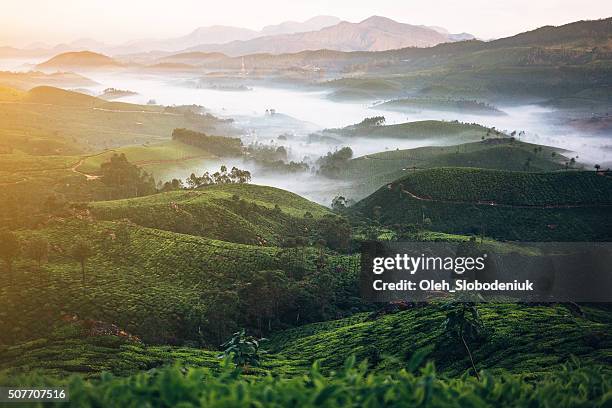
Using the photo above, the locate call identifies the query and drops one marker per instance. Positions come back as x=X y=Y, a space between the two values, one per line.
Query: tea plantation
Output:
x=238 y=213
x=562 y=206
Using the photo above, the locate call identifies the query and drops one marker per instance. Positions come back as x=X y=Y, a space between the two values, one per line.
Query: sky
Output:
x=115 y=21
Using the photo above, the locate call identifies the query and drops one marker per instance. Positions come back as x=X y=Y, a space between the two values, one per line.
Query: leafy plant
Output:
x=80 y=252
x=243 y=349
x=463 y=323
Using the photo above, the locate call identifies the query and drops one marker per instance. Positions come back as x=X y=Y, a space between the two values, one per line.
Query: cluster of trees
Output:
x=234 y=176
x=37 y=249
x=265 y=300
x=218 y=145
x=371 y=122
x=261 y=152
x=125 y=179
x=333 y=163
x=274 y=158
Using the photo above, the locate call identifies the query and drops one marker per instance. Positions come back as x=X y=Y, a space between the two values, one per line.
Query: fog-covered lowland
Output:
x=304 y=110
x=301 y=113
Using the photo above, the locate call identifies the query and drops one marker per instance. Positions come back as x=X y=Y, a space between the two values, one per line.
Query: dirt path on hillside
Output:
x=75 y=169
x=12 y=183
x=495 y=204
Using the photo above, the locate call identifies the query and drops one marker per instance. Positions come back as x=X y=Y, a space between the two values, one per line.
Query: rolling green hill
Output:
x=237 y=213
x=164 y=287
x=370 y=172
x=522 y=339
x=47 y=120
x=389 y=342
x=564 y=206
x=455 y=132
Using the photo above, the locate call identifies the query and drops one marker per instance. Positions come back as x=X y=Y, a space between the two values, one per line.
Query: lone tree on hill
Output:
x=38 y=249
x=81 y=251
x=9 y=249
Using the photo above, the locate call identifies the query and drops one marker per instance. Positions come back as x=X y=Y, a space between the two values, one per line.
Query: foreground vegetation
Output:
x=352 y=386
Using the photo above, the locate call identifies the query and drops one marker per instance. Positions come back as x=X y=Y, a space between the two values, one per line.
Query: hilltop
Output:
x=79 y=59
x=248 y=214
x=455 y=132
x=372 y=171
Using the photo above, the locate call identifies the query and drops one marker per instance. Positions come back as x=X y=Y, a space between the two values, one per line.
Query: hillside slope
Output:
x=522 y=339
x=564 y=206
x=49 y=120
x=455 y=132
x=368 y=173
x=164 y=287
x=247 y=214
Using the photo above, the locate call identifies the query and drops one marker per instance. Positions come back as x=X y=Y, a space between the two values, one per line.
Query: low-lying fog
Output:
x=301 y=112
x=319 y=112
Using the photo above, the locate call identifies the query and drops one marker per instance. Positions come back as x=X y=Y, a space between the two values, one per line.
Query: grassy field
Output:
x=388 y=343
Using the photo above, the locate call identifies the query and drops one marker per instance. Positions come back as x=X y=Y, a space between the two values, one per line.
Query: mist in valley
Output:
x=301 y=113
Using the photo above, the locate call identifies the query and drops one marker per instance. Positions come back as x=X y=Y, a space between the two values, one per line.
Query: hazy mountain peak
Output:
x=377 y=20
x=289 y=27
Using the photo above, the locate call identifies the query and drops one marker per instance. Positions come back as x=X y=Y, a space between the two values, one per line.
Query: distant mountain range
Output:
x=320 y=32
x=372 y=34
x=575 y=43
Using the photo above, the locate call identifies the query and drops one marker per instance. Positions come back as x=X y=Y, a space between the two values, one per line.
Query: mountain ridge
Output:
x=375 y=33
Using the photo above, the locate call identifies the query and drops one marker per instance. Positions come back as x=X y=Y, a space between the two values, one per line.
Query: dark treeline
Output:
x=218 y=145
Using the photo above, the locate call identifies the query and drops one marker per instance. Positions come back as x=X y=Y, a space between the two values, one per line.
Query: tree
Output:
x=338 y=203
x=463 y=322
x=80 y=252
x=597 y=167
x=373 y=121
x=243 y=349
x=265 y=295
x=38 y=249
x=9 y=249
x=125 y=178
x=335 y=231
